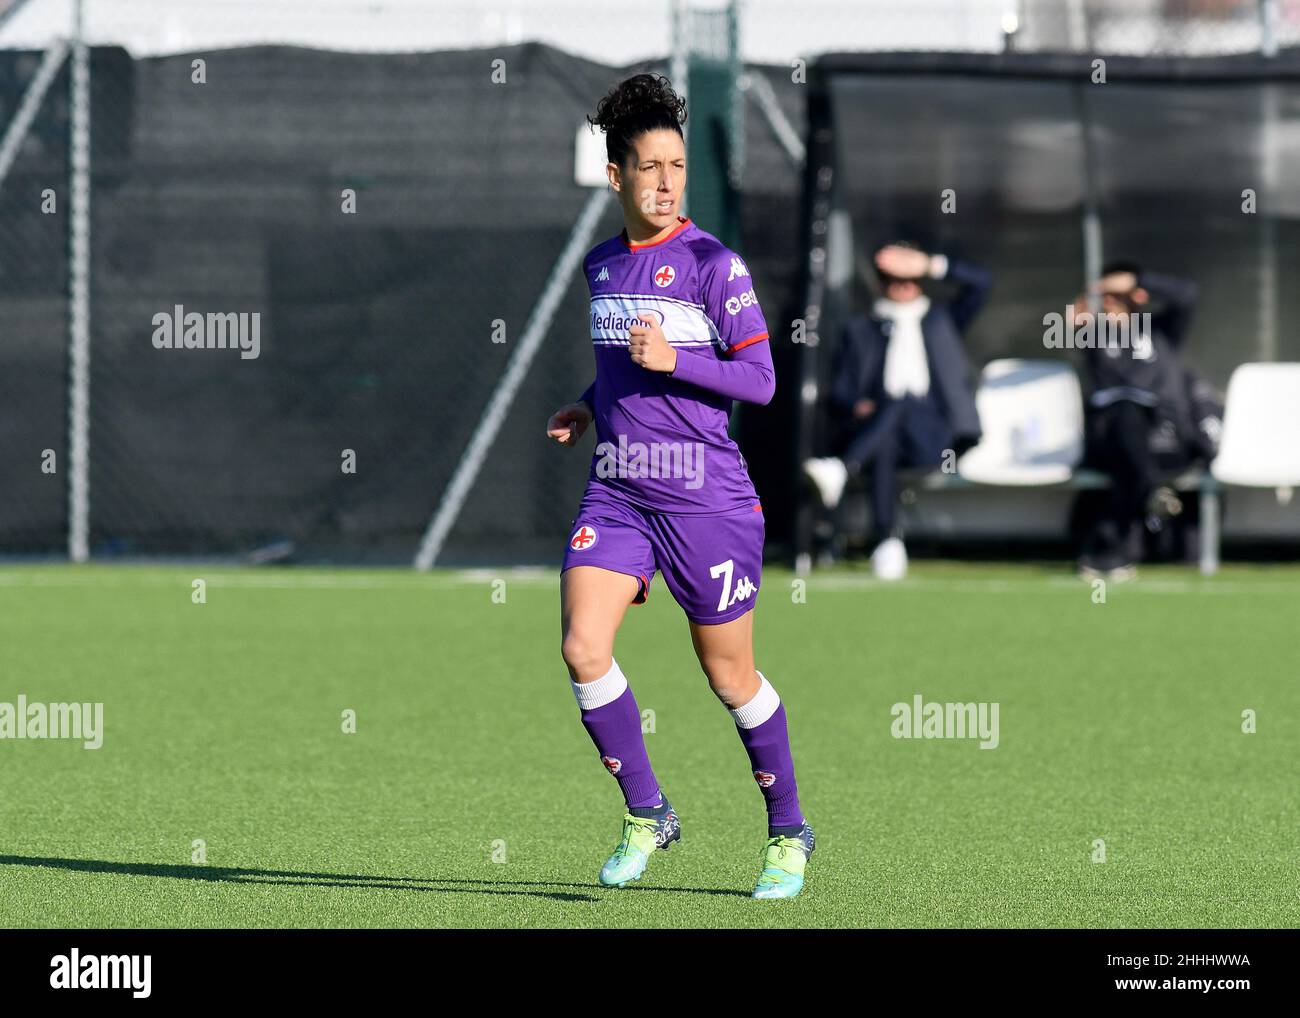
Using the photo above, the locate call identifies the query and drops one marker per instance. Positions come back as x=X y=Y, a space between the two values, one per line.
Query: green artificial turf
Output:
x=470 y=794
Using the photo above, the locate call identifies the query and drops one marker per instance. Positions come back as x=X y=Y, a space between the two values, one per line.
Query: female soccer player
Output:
x=677 y=335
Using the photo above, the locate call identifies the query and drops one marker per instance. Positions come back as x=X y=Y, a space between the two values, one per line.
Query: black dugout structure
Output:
x=1050 y=164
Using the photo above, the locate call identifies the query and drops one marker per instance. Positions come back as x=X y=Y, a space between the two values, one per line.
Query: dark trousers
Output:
x=1121 y=447
x=908 y=432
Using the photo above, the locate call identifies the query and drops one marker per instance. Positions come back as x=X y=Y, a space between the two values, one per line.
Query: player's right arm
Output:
x=568 y=423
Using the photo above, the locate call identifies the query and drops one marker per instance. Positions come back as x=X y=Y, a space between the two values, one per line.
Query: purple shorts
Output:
x=713 y=565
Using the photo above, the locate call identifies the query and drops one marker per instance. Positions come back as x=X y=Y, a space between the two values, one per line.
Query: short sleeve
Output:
x=727 y=291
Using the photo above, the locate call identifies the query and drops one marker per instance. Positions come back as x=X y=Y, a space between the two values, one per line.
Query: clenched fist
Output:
x=568 y=423
x=649 y=348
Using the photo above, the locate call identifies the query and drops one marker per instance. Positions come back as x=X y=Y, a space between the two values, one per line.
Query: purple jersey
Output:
x=662 y=442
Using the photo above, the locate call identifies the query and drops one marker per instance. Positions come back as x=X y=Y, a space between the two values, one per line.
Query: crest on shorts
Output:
x=583 y=538
x=765 y=779
x=612 y=764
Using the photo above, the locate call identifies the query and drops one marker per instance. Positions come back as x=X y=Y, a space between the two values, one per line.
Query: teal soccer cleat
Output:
x=641 y=836
x=784 y=861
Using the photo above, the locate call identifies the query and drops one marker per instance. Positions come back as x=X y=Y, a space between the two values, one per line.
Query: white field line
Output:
x=835 y=584
x=219 y=577
x=400 y=581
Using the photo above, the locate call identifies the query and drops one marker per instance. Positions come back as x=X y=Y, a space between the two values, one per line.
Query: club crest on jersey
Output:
x=664 y=276
x=603 y=275
x=765 y=779
x=583 y=538
x=612 y=764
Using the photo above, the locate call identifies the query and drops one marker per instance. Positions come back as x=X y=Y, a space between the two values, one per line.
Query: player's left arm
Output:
x=747 y=374
x=742 y=369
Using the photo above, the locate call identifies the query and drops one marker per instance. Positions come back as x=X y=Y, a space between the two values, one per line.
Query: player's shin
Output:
x=761 y=724
x=612 y=719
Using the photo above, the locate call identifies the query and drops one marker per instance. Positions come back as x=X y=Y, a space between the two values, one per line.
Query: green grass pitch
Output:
x=469 y=794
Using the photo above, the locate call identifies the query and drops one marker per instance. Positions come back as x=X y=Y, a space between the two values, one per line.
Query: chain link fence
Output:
x=391 y=218
x=34 y=201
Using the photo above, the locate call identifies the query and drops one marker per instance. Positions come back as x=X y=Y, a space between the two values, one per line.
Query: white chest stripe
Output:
x=683 y=324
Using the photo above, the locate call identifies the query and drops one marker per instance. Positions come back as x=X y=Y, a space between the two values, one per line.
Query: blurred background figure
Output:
x=902 y=394
x=1148 y=415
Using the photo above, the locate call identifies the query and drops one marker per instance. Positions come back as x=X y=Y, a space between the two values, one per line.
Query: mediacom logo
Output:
x=620 y=322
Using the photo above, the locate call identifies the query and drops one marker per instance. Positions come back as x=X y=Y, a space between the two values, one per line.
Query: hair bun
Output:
x=639 y=97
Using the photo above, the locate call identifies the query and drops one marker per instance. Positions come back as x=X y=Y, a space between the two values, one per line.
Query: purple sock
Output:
x=612 y=719
x=762 y=728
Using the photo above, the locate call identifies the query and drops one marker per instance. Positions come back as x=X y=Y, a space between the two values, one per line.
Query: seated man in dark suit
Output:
x=903 y=393
x=1148 y=414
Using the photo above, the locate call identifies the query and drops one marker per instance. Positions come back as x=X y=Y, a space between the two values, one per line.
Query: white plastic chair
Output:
x=1261 y=428
x=1031 y=413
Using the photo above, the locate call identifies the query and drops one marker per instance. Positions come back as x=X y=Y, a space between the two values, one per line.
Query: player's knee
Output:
x=586 y=658
x=734 y=682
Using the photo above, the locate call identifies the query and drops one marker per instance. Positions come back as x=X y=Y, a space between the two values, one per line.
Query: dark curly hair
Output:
x=644 y=102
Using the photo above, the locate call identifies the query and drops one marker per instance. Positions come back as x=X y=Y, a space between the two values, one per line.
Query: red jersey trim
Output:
x=641 y=247
x=748 y=342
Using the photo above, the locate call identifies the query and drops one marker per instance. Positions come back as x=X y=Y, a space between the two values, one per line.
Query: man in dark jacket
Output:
x=903 y=392
x=1147 y=413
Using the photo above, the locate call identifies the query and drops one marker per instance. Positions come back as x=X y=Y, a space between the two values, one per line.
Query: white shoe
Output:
x=829 y=476
x=889 y=560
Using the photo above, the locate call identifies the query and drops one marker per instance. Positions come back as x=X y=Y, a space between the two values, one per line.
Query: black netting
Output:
x=376 y=329
x=33 y=314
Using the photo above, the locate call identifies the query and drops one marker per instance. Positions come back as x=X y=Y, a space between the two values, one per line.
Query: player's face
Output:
x=651 y=183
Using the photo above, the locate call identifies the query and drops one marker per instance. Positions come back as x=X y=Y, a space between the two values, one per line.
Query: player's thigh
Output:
x=726 y=654
x=593 y=602
x=713 y=565
x=608 y=565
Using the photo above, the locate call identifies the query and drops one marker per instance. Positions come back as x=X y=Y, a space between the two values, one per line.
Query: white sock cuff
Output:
x=760 y=708
x=606 y=689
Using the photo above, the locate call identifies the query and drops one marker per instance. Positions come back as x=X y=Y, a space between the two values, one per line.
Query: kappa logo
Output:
x=612 y=764
x=745 y=589
x=664 y=276
x=603 y=276
x=737 y=269
x=583 y=538
x=765 y=779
